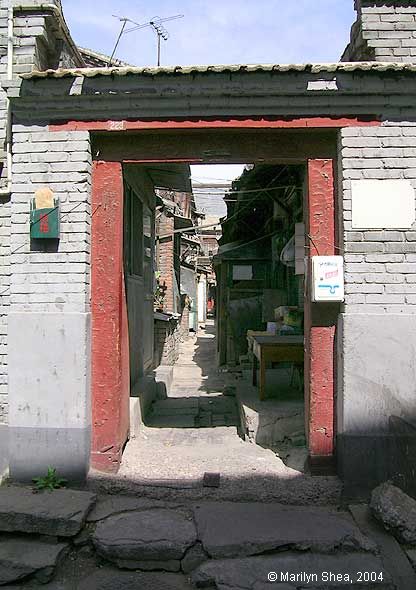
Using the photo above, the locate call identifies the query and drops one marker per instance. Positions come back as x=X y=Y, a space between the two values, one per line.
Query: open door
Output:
x=138 y=264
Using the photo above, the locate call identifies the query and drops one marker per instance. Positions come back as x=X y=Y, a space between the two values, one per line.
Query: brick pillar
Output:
x=320 y=320
x=165 y=263
x=384 y=31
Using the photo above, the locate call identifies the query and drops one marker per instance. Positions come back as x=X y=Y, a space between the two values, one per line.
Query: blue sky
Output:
x=217 y=31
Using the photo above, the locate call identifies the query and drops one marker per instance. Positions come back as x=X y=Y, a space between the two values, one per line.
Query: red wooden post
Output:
x=110 y=343
x=320 y=318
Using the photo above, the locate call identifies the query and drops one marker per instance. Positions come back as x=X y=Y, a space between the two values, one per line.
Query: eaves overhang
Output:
x=371 y=91
x=314 y=68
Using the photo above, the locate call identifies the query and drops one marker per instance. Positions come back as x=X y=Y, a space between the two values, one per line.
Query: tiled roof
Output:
x=316 y=68
x=94 y=59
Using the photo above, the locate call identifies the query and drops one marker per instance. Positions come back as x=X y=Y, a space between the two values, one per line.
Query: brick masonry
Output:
x=165 y=257
x=380 y=266
x=167 y=340
x=58 y=280
x=34 y=34
x=4 y=409
x=384 y=31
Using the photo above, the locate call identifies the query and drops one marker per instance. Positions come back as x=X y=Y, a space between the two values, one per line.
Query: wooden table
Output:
x=273 y=349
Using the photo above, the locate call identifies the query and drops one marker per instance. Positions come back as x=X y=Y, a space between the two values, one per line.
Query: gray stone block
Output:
x=233 y=530
x=298 y=570
x=106 y=579
x=21 y=558
x=157 y=535
x=110 y=505
x=411 y=554
x=61 y=512
x=396 y=510
x=194 y=557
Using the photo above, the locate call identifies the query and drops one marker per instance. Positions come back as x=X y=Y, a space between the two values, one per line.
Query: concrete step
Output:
x=59 y=513
x=20 y=558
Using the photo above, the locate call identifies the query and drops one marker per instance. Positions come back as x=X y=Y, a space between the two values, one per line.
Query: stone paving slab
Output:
x=108 y=505
x=396 y=510
x=157 y=535
x=394 y=558
x=21 y=558
x=230 y=529
x=411 y=555
x=252 y=573
x=111 y=580
x=59 y=513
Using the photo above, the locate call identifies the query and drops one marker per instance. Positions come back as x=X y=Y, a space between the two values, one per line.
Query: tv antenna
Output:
x=156 y=23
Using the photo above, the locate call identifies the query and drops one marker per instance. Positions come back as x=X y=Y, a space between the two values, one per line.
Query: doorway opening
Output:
x=209 y=304
x=214 y=258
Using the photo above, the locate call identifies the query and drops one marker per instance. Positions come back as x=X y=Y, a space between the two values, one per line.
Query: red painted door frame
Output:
x=110 y=346
x=320 y=320
x=110 y=340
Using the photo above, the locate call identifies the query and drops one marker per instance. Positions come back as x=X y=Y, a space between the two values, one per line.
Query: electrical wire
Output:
x=258 y=190
x=39 y=220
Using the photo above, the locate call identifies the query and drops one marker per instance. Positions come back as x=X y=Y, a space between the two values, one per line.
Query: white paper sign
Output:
x=327 y=278
x=382 y=204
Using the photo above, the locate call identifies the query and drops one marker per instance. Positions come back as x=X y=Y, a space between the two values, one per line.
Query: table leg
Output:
x=254 y=369
x=262 y=378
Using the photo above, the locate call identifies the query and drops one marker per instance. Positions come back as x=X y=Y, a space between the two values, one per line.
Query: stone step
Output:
x=20 y=558
x=230 y=529
x=148 y=540
x=175 y=421
x=59 y=513
x=290 y=571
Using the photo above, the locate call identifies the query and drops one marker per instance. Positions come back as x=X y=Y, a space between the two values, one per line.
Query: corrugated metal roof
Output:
x=218 y=69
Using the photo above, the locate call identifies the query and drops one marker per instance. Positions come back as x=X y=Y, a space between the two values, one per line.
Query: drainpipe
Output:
x=10 y=24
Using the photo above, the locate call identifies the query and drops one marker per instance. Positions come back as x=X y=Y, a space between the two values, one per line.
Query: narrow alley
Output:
x=196 y=428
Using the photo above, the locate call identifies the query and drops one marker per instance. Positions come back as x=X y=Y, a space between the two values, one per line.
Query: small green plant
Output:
x=50 y=482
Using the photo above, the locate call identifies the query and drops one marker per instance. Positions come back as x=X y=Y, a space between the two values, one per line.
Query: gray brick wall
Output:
x=168 y=336
x=51 y=281
x=38 y=43
x=4 y=407
x=5 y=219
x=380 y=266
x=384 y=31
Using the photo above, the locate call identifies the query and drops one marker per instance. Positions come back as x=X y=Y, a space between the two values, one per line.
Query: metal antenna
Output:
x=155 y=23
x=124 y=21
